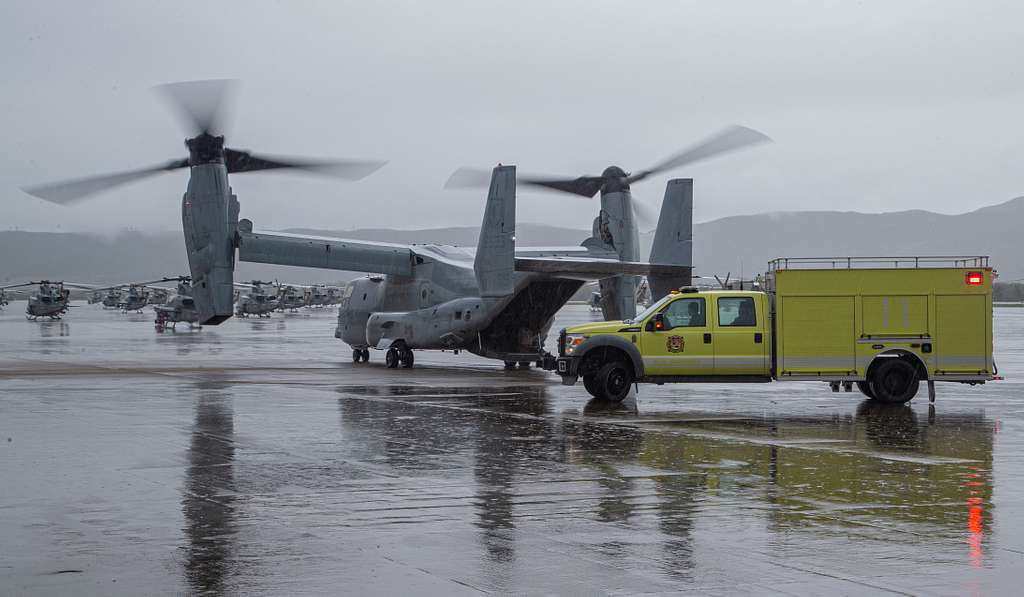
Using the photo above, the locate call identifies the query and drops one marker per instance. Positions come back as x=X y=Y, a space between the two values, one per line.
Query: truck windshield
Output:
x=653 y=308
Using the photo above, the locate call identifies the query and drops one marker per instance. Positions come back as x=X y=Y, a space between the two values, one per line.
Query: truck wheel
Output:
x=590 y=383
x=865 y=388
x=613 y=381
x=894 y=381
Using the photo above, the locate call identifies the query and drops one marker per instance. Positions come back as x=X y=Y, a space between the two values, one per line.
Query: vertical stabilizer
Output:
x=616 y=227
x=673 y=239
x=495 y=251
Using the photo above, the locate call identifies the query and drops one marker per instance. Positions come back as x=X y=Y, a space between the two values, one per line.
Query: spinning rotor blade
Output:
x=73 y=190
x=201 y=105
x=730 y=139
x=472 y=178
x=586 y=186
x=244 y=161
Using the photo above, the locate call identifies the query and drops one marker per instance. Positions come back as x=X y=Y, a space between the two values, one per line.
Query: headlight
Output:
x=571 y=342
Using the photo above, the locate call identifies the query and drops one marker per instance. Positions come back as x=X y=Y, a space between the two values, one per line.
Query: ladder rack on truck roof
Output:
x=929 y=261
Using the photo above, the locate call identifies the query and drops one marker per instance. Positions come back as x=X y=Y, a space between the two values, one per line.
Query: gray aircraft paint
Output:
x=673 y=239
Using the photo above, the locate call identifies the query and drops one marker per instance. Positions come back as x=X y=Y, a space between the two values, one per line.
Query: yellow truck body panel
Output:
x=833 y=323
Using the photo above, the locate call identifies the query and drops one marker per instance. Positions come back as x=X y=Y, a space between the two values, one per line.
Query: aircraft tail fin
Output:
x=673 y=239
x=495 y=251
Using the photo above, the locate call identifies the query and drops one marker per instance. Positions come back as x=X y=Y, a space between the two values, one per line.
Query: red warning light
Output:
x=975 y=278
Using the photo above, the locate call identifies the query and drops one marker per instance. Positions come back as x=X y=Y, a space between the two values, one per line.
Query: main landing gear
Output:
x=360 y=355
x=399 y=355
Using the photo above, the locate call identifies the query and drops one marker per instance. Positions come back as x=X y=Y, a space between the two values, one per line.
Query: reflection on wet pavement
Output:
x=257 y=460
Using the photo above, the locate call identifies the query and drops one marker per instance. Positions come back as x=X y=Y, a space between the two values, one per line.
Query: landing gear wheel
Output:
x=365 y=353
x=865 y=388
x=590 y=383
x=510 y=365
x=357 y=355
x=391 y=358
x=894 y=381
x=405 y=358
x=613 y=381
x=524 y=364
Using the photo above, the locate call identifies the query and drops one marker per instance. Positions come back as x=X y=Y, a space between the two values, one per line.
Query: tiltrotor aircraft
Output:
x=180 y=308
x=497 y=301
x=255 y=300
x=51 y=299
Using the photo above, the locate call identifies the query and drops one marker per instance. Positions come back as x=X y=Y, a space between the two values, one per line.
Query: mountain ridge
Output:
x=740 y=243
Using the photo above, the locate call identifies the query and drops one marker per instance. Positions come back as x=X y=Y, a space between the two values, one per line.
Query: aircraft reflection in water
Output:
x=412 y=439
x=208 y=499
x=882 y=473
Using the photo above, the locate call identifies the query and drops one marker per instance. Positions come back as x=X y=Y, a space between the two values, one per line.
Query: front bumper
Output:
x=567 y=368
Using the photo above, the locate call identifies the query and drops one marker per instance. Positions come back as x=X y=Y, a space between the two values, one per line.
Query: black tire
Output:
x=590 y=383
x=405 y=358
x=357 y=355
x=366 y=355
x=524 y=364
x=391 y=358
x=510 y=365
x=613 y=381
x=865 y=388
x=894 y=381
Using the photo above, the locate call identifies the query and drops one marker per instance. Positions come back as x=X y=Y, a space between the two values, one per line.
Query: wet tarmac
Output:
x=255 y=458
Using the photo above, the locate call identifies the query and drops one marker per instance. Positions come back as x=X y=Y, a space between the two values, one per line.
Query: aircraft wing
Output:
x=594 y=268
x=323 y=252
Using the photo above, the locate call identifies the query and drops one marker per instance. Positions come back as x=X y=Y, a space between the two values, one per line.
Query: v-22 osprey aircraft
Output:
x=497 y=301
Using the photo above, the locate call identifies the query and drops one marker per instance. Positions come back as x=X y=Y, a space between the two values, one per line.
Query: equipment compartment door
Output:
x=684 y=346
x=961 y=339
x=739 y=337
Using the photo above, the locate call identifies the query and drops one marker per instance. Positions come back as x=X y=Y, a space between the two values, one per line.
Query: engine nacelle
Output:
x=209 y=217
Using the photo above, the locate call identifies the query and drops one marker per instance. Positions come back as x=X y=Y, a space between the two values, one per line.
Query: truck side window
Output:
x=736 y=312
x=686 y=313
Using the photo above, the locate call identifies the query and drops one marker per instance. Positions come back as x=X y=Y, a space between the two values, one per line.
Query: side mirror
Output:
x=656 y=323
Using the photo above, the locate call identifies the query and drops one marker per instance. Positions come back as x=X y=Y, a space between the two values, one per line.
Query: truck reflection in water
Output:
x=659 y=491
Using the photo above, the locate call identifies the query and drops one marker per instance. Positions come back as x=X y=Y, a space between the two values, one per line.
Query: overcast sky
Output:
x=873 y=106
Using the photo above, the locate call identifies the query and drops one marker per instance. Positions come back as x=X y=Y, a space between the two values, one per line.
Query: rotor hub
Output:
x=205 y=149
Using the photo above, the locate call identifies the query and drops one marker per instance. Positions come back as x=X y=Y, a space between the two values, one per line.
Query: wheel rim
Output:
x=617 y=381
x=896 y=382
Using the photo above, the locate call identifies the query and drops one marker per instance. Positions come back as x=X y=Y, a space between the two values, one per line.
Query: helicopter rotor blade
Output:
x=202 y=106
x=244 y=161
x=70 y=191
x=730 y=139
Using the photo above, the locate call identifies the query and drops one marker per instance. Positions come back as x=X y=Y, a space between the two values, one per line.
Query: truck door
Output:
x=739 y=336
x=683 y=346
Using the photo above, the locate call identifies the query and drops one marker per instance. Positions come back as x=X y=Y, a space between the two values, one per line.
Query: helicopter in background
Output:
x=257 y=301
x=180 y=308
x=51 y=299
x=130 y=296
x=290 y=297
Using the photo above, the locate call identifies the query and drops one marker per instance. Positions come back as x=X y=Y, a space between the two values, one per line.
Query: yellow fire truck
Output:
x=884 y=324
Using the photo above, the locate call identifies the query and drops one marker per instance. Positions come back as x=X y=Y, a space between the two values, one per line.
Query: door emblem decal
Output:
x=675 y=344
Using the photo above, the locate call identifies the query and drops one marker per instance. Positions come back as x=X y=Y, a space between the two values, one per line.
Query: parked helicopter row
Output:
x=497 y=301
